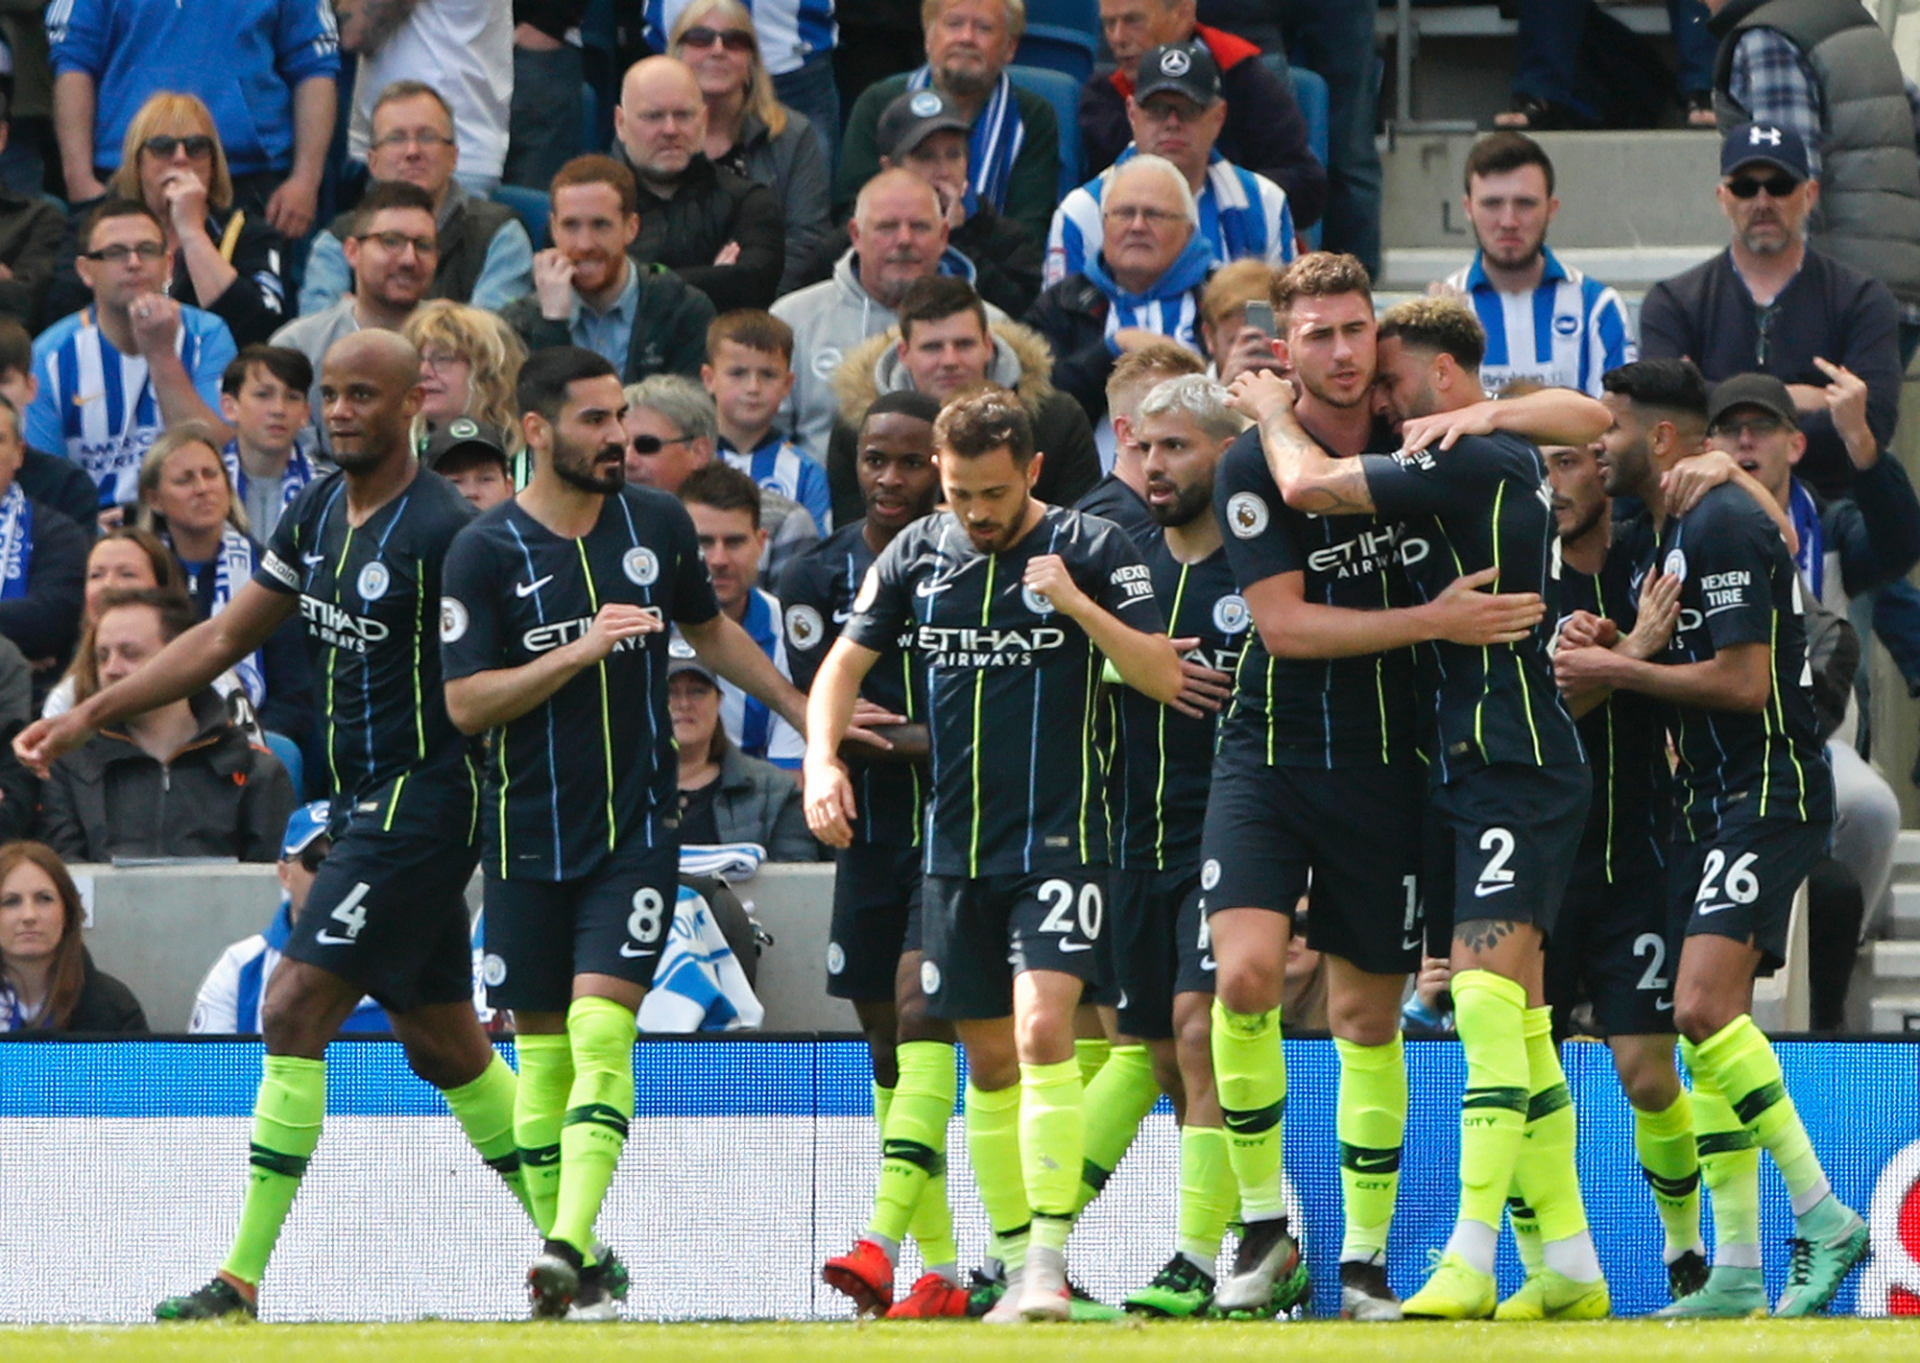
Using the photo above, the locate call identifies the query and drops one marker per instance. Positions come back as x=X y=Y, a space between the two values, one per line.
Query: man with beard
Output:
x=1013 y=604
x=358 y=555
x=553 y=636
x=587 y=291
x=1546 y=322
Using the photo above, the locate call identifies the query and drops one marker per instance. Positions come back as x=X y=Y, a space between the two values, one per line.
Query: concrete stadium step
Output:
x=1895 y=960
x=1903 y=921
x=1895 y=1013
x=1906 y=855
x=1406 y=271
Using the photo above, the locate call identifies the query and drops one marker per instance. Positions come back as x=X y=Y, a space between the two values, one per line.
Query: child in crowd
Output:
x=473 y=457
x=749 y=372
x=263 y=396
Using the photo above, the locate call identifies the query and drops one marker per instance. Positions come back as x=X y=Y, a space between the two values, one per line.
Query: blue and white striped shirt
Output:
x=778 y=464
x=1566 y=333
x=755 y=729
x=791 y=32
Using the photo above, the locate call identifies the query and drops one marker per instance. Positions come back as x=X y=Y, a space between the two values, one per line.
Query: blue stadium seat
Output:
x=532 y=206
x=1310 y=93
x=288 y=752
x=1063 y=93
x=1059 y=47
x=1083 y=15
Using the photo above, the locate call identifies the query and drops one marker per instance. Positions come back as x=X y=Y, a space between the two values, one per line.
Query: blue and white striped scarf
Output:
x=994 y=144
x=233 y=565
x=300 y=472
x=16 y=542
x=1170 y=308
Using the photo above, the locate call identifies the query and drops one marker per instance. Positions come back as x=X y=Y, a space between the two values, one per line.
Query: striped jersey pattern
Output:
x=1566 y=333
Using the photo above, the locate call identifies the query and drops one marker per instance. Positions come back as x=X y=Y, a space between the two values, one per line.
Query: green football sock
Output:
x=1544 y=1167
x=287 y=1111
x=882 y=1108
x=1250 y=1072
x=1747 y=1073
x=914 y=1141
x=1489 y=1012
x=599 y=1108
x=993 y=1148
x=484 y=1109
x=1370 y=1120
x=932 y=1065
x=539 y=1109
x=1729 y=1168
x=1526 y=1233
x=1208 y=1193
x=1670 y=1162
x=1052 y=1146
x=1117 y=1101
x=1090 y=1053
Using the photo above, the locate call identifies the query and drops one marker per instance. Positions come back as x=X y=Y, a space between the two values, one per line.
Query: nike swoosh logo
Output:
x=929 y=588
x=1481 y=891
x=1374 y=1164
x=626 y=950
x=529 y=588
x=1076 y=946
x=841 y=617
x=1236 y=1121
x=1405 y=945
x=1208 y=963
x=1663 y=1005
x=82 y=399
x=328 y=939
x=1704 y=909
x=313 y=560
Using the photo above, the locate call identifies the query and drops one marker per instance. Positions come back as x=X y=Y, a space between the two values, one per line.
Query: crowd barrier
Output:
x=750 y=1161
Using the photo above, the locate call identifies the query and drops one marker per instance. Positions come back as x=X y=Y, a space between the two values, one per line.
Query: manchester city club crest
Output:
x=1035 y=602
x=1676 y=565
x=641 y=566
x=374 y=581
x=1230 y=614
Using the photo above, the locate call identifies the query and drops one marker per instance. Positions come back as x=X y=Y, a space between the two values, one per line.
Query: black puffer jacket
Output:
x=710 y=208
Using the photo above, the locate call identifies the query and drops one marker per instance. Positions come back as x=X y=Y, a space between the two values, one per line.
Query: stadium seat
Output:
x=288 y=752
x=531 y=205
x=1057 y=47
x=1063 y=92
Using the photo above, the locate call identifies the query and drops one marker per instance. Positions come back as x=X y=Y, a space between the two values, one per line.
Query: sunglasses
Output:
x=653 y=444
x=196 y=146
x=314 y=854
x=733 y=39
x=1777 y=186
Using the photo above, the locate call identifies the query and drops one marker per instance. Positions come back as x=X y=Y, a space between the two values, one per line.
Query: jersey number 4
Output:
x=351 y=914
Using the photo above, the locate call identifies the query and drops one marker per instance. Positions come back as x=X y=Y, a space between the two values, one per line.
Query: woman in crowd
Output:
x=124 y=558
x=469 y=363
x=749 y=131
x=48 y=982
x=726 y=796
x=177 y=781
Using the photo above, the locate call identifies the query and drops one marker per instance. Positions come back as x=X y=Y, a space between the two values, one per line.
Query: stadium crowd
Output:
x=404 y=465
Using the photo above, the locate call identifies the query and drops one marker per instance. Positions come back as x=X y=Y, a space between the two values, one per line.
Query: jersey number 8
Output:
x=643 y=924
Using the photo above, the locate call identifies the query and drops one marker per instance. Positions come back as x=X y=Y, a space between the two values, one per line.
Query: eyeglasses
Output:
x=197 y=146
x=733 y=39
x=653 y=444
x=396 y=242
x=1758 y=427
x=1152 y=217
x=426 y=139
x=440 y=361
x=1777 y=186
x=119 y=255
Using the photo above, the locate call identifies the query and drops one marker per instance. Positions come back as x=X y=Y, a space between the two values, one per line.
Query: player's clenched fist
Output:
x=1047 y=576
x=828 y=802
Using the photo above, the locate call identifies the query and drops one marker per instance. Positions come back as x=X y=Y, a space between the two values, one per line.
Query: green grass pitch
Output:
x=1799 y=1341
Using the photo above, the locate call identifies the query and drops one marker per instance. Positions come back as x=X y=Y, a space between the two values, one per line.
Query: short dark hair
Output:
x=282 y=361
x=905 y=402
x=1675 y=386
x=114 y=207
x=1444 y=326
x=595 y=169
x=724 y=488
x=385 y=194
x=982 y=421
x=16 y=348
x=547 y=374
x=936 y=298
x=177 y=613
x=1500 y=152
x=752 y=328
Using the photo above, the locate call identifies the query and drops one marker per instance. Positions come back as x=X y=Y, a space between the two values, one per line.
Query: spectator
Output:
x=1264 y=129
x=725 y=795
x=463 y=48
x=263 y=396
x=898 y=234
x=672 y=430
x=474 y=459
x=589 y=292
x=27 y=127
x=924 y=132
x=725 y=506
x=43 y=557
x=1236 y=346
x=748 y=373
x=1121 y=496
x=30 y=233
x=50 y=478
x=266 y=69
x=392 y=251
x=943 y=346
x=1544 y=77
x=1515 y=284
x=1014 y=143
x=547 y=109
x=162 y=360
x=469 y=363
x=1143 y=286
x=749 y=131
x=1828 y=74
x=230 y=998
x=1176 y=111
x=797 y=41
x=485 y=255
x=48 y=981
x=187 y=501
x=177 y=781
x=1770 y=298
x=720 y=232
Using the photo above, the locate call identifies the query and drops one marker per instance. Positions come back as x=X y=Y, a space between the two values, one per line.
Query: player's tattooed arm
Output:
x=1309 y=478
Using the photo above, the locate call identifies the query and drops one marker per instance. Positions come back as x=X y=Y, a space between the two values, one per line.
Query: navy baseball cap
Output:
x=1178 y=68
x=1751 y=144
x=914 y=117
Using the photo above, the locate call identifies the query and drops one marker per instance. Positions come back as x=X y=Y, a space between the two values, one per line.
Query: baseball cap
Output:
x=1181 y=68
x=463 y=432
x=682 y=658
x=1764 y=143
x=1750 y=390
x=914 y=117
x=304 y=825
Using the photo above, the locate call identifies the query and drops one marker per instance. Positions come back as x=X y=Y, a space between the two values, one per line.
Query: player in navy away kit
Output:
x=553 y=635
x=1011 y=603
x=873 y=956
x=358 y=554
x=1509 y=781
x=1755 y=807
